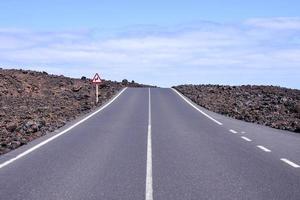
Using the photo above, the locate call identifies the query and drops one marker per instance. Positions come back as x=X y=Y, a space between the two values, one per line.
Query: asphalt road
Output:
x=153 y=144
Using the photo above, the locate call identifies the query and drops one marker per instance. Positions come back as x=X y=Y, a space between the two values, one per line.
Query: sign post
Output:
x=97 y=80
x=97 y=94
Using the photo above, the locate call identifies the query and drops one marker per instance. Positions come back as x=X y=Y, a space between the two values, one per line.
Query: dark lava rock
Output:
x=76 y=89
x=124 y=81
x=11 y=126
x=297 y=108
x=267 y=105
x=35 y=103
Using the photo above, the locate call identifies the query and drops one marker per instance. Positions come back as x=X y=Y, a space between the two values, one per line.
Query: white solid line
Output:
x=290 y=163
x=185 y=99
x=149 y=189
x=247 y=139
x=59 y=134
x=263 y=148
x=233 y=131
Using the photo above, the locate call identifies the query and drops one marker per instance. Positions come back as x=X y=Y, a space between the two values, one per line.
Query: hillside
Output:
x=272 y=106
x=34 y=103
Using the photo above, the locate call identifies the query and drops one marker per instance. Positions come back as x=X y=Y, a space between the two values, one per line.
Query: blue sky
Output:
x=157 y=42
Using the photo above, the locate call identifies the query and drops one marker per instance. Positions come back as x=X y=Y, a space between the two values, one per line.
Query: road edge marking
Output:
x=149 y=187
x=206 y=115
x=290 y=163
x=28 y=151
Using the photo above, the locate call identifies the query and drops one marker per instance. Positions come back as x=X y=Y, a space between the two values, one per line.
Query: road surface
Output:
x=155 y=144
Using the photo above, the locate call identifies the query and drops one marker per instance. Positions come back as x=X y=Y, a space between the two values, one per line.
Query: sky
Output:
x=164 y=43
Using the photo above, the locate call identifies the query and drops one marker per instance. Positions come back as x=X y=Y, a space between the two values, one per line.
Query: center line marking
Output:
x=263 y=148
x=149 y=188
x=233 y=131
x=245 y=138
x=290 y=163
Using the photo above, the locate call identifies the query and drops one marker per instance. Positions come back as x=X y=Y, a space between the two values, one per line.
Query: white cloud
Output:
x=201 y=52
x=283 y=23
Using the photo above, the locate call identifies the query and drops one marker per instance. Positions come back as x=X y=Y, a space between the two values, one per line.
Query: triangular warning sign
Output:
x=96 y=79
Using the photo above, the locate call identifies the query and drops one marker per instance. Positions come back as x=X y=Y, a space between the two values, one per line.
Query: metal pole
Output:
x=97 y=99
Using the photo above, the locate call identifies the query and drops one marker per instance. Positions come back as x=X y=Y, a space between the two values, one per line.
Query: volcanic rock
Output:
x=11 y=126
x=35 y=103
x=267 y=105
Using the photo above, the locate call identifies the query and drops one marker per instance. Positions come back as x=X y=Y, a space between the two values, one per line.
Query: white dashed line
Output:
x=233 y=131
x=206 y=115
x=247 y=139
x=243 y=132
x=290 y=163
x=263 y=148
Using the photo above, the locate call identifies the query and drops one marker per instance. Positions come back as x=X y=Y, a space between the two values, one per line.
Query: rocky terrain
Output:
x=272 y=106
x=34 y=103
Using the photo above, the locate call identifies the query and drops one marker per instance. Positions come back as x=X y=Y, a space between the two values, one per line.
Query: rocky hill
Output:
x=34 y=103
x=272 y=106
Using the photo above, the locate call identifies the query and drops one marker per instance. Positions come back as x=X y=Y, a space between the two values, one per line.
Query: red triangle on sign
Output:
x=96 y=79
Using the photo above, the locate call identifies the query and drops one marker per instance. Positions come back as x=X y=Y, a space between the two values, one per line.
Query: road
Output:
x=155 y=144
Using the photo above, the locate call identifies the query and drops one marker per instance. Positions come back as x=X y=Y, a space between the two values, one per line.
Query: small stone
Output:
x=76 y=89
x=23 y=141
x=34 y=128
x=297 y=108
x=2 y=113
x=124 y=81
x=11 y=127
x=29 y=123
